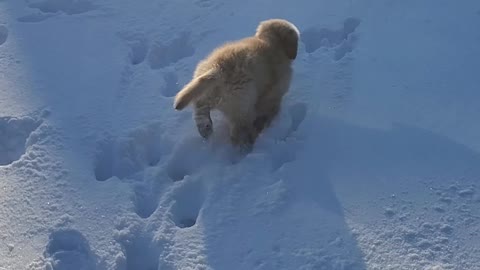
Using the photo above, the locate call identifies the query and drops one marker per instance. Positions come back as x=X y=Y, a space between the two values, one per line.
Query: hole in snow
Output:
x=188 y=203
x=340 y=39
x=68 y=249
x=13 y=136
x=125 y=156
x=138 y=51
x=146 y=200
x=186 y=223
x=139 y=250
x=189 y=156
x=138 y=44
x=162 y=55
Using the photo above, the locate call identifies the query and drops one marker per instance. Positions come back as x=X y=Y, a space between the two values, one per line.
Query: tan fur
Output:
x=245 y=80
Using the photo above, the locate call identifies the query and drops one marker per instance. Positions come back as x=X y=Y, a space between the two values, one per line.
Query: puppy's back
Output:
x=230 y=67
x=237 y=56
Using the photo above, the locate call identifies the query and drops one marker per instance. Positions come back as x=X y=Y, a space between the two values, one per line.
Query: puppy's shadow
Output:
x=294 y=210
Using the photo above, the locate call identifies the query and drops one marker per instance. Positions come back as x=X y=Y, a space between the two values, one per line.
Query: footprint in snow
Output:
x=138 y=50
x=146 y=198
x=193 y=153
x=140 y=251
x=341 y=40
x=164 y=54
x=68 y=249
x=188 y=156
x=138 y=44
x=14 y=133
x=188 y=199
x=127 y=155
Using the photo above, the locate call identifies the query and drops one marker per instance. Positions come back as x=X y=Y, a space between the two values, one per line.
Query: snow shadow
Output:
x=401 y=151
x=303 y=220
x=367 y=163
x=295 y=222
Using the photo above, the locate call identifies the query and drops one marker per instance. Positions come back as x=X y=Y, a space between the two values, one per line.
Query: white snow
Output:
x=373 y=162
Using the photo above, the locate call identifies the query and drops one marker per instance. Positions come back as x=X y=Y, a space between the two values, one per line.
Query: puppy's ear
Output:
x=290 y=45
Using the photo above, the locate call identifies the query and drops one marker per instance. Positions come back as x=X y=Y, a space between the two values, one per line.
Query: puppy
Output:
x=245 y=80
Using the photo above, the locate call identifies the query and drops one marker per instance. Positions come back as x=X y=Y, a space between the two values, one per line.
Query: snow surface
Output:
x=373 y=163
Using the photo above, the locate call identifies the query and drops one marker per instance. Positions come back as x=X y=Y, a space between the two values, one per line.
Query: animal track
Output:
x=171 y=85
x=69 y=7
x=140 y=252
x=138 y=48
x=13 y=136
x=138 y=52
x=341 y=40
x=3 y=34
x=189 y=156
x=188 y=203
x=145 y=199
x=162 y=55
x=67 y=249
x=125 y=156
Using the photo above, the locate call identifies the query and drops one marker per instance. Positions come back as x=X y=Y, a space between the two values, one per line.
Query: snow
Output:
x=373 y=162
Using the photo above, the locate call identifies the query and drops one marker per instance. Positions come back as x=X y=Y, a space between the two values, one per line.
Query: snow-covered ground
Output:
x=373 y=163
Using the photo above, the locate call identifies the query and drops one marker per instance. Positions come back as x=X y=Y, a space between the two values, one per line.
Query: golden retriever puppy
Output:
x=245 y=80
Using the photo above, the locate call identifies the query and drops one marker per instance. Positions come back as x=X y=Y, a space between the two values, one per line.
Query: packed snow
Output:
x=372 y=164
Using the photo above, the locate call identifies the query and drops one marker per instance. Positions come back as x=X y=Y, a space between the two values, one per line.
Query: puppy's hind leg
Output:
x=267 y=109
x=202 y=119
x=239 y=109
x=242 y=131
x=243 y=135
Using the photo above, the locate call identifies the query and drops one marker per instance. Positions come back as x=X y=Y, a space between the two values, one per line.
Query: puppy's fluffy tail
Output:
x=195 y=88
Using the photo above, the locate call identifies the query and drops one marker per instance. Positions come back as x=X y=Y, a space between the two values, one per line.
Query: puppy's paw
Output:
x=244 y=149
x=243 y=137
x=205 y=129
x=259 y=123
